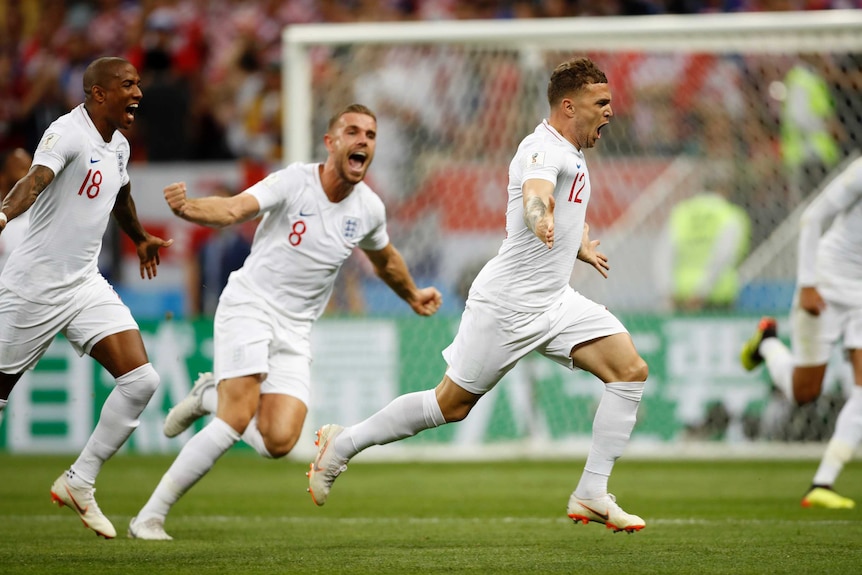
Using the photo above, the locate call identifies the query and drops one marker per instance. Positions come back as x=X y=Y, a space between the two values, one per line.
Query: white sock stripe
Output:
x=431 y=409
x=136 y=374
x=223 y=427
x=631 y=390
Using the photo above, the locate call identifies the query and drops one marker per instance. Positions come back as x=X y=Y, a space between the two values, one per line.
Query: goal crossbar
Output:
x=835 y=30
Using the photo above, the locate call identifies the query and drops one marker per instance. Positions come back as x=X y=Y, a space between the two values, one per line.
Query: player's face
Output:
x=122 y=96
x=351 y=144
x=592 y=107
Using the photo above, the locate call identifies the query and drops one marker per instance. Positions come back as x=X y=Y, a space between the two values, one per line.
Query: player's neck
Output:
x=335 y=188
x=559 y=124
x=102 y=126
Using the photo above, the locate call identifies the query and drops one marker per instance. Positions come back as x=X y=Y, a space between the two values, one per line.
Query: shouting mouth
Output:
x=357 y=161
x=131 y=110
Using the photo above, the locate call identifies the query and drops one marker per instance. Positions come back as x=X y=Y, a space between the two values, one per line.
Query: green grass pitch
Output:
x=253 y=516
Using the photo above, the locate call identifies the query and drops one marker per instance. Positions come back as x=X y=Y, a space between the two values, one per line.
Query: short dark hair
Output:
x=350 y=109
x=571 y=76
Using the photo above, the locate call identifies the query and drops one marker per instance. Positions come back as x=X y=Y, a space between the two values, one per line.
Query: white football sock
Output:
x=405 y=416
x=845 y=439
x=118 y=419
x=779 y=364
x=3 y=403
x=253 y=438
x=612 y=426
x=195 y=459
x=209 y=399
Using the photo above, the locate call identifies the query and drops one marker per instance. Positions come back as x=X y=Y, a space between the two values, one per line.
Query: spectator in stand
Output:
x=167 y=110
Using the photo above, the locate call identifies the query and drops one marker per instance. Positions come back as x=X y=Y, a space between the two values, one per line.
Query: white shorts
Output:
x=250 y=337
x=27 y=329
x=812 y=337
x=491 y=339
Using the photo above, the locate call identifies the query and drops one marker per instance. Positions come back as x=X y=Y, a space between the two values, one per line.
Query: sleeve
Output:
x=377 y=237
x=276 y=188
x=57 y=148
x=839 y=194
x=541 y=162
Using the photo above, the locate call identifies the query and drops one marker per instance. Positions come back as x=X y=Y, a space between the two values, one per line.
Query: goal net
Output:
x=702 y=103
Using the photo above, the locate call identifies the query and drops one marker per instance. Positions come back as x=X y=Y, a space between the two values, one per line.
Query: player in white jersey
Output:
x=521 y=301
x=51 y=283
x=827 y=308
x=314 y=215
x=14 y=165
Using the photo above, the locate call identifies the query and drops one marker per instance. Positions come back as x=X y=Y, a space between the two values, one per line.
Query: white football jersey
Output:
x=303 y=239
x=69 y=218
x=525 y=275
x=12 y=235
x=833 y=261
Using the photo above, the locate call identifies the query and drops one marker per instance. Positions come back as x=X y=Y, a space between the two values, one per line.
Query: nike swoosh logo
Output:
x=604 y=516
x=81 y=510
x=92 y=161
x=314 y=465
x=304 y=215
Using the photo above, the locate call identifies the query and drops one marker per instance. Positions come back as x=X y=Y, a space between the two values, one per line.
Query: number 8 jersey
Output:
x=70 y=216
x=303 y=239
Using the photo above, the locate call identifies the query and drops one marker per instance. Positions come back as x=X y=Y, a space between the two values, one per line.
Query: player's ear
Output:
x=97 y=93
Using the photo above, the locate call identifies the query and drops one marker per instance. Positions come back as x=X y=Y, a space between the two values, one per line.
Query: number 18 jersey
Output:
x=69 y=218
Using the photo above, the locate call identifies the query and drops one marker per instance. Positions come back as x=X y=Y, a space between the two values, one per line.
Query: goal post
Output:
x=699 y=102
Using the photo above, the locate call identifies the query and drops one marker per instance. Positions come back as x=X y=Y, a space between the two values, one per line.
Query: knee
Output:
x=806 y=387
x=636 y=370
x=279 y=447
x=278 y=441
x=804 y=394
x=457 y=411
x=454 y=414
x=140 y=382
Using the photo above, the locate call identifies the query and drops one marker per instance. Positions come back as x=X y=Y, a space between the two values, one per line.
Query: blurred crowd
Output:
x=211 y=68
x=211 y=75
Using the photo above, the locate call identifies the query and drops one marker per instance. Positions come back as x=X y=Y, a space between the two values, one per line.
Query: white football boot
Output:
x=190 y=409
x=81 y=500
x=603 y=510
x=325 y=467
x=152 y=529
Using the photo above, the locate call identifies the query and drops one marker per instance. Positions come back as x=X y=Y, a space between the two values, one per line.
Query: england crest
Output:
x=350 y=227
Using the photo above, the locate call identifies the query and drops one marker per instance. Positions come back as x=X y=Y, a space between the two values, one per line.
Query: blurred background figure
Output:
x=14 y=165
x=707 y=236
x=810 y=127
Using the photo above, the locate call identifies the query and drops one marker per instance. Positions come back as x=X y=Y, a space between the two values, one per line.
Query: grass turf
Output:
x=249 y=515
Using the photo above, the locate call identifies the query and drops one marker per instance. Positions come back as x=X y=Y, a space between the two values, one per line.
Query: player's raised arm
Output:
x=214 y=211
x=539 y=209
x=24 y=193
x=390 y=267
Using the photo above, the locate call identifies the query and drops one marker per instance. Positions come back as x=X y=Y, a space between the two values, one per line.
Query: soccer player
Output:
x=51 y=283
x=521 y=301
x=14 y=165
x=827 y=307
x=314 y=215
